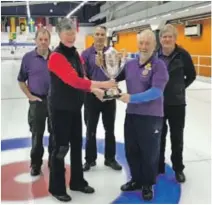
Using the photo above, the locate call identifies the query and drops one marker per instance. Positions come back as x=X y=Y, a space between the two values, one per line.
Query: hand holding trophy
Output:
x=111 y=62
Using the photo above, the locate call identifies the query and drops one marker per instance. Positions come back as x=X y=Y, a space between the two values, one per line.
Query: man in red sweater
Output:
x=65 y=102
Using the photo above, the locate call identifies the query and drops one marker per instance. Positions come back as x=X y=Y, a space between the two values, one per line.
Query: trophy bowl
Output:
x=112 y=64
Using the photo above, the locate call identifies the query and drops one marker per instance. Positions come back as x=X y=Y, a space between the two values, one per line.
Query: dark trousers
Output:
x=85 y=110
x=93 y=109
x=175 y=115
x=37 y=116
x=67 y=131
x=142 y=146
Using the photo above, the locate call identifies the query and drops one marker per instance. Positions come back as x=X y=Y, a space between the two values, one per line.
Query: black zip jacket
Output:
x=182 y=73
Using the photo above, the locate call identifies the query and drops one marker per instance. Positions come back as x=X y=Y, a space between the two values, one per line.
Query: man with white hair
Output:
x=146 y=78
x=182 y=73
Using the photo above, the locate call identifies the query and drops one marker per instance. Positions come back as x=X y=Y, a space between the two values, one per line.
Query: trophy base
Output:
x=112 y=93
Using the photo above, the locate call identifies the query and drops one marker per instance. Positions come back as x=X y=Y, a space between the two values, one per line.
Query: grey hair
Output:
x=147 y=32
x=168 y=28
x=65 y=24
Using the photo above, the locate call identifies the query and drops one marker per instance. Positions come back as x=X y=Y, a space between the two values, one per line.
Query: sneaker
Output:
x=87 y=166
x=130 y=186
x=113 y=164
x=147 y=193
x=85 y=189
x=64 y=197
x=180 y=177
x=35 y=171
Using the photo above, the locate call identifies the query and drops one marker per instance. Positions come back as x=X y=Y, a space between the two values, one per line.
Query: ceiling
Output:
x=51 y=9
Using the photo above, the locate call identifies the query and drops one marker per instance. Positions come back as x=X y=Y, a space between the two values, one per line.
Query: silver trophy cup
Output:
x=112 y=64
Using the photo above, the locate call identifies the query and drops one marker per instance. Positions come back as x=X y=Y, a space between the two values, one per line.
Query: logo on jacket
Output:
x=146 y=70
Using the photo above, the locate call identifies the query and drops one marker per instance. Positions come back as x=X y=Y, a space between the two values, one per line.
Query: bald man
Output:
x=93 y=107
x=146 y=78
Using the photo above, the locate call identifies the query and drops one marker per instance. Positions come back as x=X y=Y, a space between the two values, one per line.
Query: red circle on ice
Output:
x=13 y=190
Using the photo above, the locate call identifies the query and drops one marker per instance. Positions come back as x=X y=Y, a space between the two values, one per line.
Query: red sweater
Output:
x=59 y=65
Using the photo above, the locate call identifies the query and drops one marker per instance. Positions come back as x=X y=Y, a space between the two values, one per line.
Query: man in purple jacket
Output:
x=146 y=78
x=34 y=81
x=94 y=107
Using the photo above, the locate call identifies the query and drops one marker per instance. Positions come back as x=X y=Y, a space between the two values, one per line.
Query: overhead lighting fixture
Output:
x=202 y=7
x=186 y=10
x=166 y=15
x=28 y=9
x=77 y=8
x=153 y=18
x=143 y=20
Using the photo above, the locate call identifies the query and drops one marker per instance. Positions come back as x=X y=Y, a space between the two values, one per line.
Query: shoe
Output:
x=85 y=189
x=130 y=186
x=87 y=166
x=113 y=164
x=35 y=171
x=180 y=177
x=147 y=193
x=64 y=197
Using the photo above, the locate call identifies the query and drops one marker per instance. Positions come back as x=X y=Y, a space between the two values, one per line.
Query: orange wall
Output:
x=198 y=45
x=194 y=45
x=127 y=41
x=88 y=41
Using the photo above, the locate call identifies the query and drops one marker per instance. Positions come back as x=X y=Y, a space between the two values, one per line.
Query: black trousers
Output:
x=142 y=147
x=85 y=110
x=93 y=109
x=67 y=131
x=37 y=116
x=175 y=116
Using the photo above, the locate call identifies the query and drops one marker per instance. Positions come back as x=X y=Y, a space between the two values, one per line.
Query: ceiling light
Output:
x=166 y=15
x=142 y=20
x=202 y=7
x=186 y=10
x=77 y=8
x=153 y=18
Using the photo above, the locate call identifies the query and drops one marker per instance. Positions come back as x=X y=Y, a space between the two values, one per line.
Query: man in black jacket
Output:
x=181 y=74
